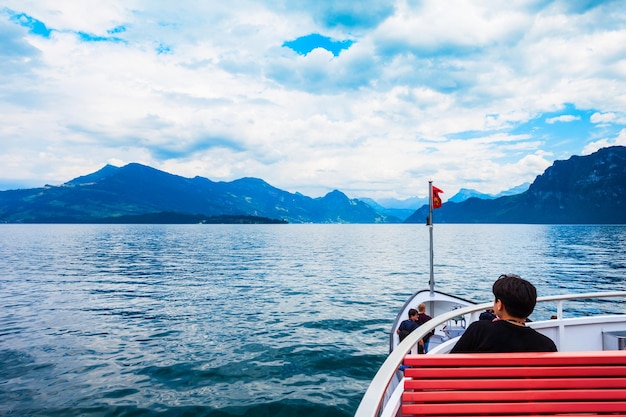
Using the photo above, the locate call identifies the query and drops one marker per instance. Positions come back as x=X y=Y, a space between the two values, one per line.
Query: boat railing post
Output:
x=559 y=316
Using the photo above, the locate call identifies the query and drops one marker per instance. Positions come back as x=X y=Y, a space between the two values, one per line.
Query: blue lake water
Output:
x=245 y=320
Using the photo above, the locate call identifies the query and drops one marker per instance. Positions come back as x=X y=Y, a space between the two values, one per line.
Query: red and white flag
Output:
x=436 y=198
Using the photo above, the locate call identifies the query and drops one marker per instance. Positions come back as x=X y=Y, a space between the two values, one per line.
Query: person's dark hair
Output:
x=413 y=312
x=518 y=295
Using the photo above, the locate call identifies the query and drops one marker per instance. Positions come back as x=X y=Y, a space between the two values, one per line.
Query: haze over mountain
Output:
x=582 y=189
x=465 y=194
x=405 y=208
x=401 y=209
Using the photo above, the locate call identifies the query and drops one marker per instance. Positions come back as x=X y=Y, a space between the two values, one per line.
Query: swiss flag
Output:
x=436 y=198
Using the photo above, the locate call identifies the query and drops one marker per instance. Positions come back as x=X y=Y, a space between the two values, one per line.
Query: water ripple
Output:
x=246 y=320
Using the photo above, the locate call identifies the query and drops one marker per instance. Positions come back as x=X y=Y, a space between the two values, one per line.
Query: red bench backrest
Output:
x=515 y=384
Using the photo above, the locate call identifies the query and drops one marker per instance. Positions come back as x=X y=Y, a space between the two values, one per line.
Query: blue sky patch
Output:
x=305 y=44
x=117 y=29
x=562 y=129
x=35 y=26
x=349 y=14
x=88 y=37
x=163 y=49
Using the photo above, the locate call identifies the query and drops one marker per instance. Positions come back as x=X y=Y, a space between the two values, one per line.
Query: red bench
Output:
x=515 y=384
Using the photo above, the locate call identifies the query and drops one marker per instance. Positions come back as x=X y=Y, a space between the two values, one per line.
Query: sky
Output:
x=373 y=98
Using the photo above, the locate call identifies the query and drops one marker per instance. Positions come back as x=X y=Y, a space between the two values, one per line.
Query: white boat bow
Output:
x=382 y=398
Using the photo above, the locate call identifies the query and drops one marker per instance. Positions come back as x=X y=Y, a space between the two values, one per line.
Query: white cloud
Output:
x=607 y=118
x=427 y=91
x=603 y=117
x=562 y=119
x=619 y=140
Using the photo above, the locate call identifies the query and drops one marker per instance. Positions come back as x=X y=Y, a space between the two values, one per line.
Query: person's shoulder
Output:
x=423 y=318
x=480 y=326
x=484 y=323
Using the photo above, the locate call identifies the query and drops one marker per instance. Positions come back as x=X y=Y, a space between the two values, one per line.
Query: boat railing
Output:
x=372 y=401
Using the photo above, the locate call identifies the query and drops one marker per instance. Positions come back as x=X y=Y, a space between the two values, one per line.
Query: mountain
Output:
x=409 y=203
x=138 y=190
x=403 y=209
x=400 y=213
x=466 y=194
x=513 y=191
x=581 y=190
x=105 y=172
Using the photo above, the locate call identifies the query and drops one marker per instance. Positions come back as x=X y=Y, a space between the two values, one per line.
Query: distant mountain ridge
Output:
x=137 y=190
x=413 y=203
x=92 y=178
x=405 y=208
x=392 y=210
x=465 y=194
x=581 y=190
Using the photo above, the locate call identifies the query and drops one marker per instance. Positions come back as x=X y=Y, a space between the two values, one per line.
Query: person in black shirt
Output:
x=408 y=325
x=422 y=318
x=515 y=300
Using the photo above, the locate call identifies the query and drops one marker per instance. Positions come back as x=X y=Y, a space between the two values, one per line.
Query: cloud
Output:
x=457 y=28
x=608 y=118
x=472 y=96
x=562 y=119
x=88 y=37
x=35 y=26
x=17 y=55
x=603 y=117
x=619 y=140
x=345 y=13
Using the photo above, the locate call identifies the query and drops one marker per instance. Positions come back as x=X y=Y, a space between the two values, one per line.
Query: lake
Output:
x=246 y=320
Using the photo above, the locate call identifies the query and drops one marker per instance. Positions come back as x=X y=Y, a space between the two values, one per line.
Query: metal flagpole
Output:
x=431 y=282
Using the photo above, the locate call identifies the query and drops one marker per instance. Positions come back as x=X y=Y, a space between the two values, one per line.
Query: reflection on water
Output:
x=247 y=319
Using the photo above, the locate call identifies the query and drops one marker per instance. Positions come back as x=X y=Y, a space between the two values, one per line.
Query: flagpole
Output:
x=431 y=282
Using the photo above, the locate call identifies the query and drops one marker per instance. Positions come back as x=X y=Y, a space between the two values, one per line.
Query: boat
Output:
x=571 y=332
x=583 y=322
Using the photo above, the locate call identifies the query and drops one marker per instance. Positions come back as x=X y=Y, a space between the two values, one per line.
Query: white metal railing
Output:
x=372 y=401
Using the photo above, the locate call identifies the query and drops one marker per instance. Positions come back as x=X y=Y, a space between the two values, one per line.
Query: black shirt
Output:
x=406 y=327
x=502 y=336
x=421 y=319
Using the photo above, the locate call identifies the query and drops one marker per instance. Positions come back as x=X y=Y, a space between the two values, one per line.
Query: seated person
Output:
x=515 y=300
x=408 y=325
x=487 y=315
